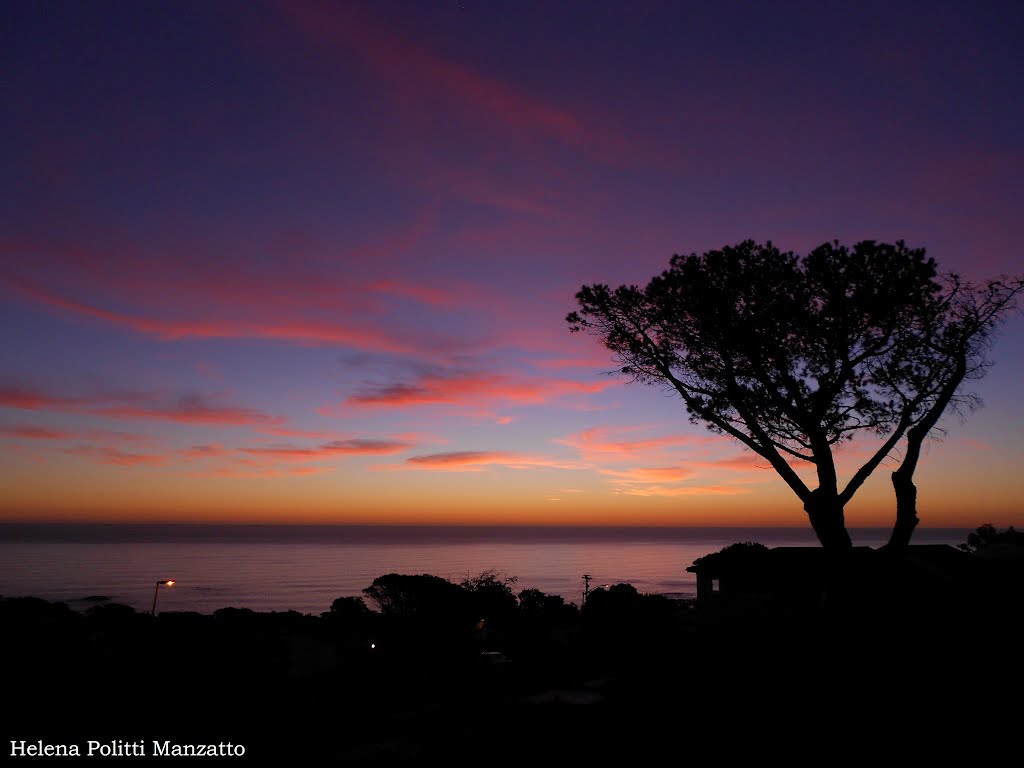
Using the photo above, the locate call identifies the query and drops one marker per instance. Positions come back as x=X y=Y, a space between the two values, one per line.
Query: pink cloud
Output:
x=419 y=77
x=312 y=301
x=30 y=399
x=30 y=432
x=602 y=443
x=307 y=332
x=460 y=458
x=463 y=461
x=649 y=474
x=187 y=409
x=302 y=305
x=101 y=436
x=742 y=462
x=473 y=389
x=622 y=455
x=119 y=273
x=354 y=447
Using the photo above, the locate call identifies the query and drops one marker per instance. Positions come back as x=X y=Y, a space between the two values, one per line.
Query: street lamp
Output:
x=156 y=591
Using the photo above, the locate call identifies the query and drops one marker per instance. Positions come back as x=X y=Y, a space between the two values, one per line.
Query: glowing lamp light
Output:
x=156 y=592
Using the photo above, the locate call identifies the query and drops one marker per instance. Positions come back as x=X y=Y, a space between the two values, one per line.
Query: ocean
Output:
x=305 y=568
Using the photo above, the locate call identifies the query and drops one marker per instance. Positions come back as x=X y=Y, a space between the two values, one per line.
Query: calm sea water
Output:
x=304 y=568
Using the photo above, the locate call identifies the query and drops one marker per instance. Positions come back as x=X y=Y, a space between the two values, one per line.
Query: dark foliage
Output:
x=348 y=609
x=490 y=595
x=742 y=553
x=987 y=538
x=372 y=689
x=422 y=595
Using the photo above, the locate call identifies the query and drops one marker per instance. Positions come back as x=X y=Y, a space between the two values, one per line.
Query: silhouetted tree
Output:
x=348 y=609
x=421 y=595
x=536 y=604
x=792 y=356
x=733 y=555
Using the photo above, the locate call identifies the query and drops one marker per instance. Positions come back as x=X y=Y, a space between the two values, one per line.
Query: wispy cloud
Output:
x=263 y=473
x=614 y=443
x=284 y=328
x=33 y=399
x=108 y=455
x=305 y=299
x=472 y=388
x=471 y=461
x=649 y=474
x=639 y=463
x=419 y=77
x=29 y=432
x=427 y=295
x=333 y=449
x=190 y=408
x=683 y=490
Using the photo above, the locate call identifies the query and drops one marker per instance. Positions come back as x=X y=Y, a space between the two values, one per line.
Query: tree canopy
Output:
x=792 y=356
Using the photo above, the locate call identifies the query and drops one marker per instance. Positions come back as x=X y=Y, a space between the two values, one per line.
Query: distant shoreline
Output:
x=365 y=533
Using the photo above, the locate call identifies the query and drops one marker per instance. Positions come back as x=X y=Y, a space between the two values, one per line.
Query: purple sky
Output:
x=311 y=261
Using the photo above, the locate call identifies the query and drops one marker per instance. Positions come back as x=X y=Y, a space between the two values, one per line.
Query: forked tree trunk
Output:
x=827 y=520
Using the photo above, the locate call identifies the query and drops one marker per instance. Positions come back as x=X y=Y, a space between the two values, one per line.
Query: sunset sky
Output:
x=310 y=262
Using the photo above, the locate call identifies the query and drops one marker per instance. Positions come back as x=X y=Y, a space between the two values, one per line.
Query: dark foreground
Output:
x=894 y=660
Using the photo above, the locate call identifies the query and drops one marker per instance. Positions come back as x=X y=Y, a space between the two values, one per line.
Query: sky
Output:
x=310 y=261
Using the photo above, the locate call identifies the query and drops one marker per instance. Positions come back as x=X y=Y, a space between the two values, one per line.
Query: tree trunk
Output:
x=906 y=508
x=903 y=477
x=826 y=515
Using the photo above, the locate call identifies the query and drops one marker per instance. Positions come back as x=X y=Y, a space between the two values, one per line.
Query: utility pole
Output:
x=586 y=587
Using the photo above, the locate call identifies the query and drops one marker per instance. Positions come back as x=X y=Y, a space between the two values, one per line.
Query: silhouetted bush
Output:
x=348 y=609
x=987 y=538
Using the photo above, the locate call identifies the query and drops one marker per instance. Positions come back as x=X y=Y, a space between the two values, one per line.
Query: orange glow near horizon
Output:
x=627 y=476
x=770 y=508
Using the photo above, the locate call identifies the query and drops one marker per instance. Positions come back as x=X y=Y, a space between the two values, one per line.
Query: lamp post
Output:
x=156 y=591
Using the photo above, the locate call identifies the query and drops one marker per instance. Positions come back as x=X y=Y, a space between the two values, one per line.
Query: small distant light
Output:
x=372 y=646
x=169 y=582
